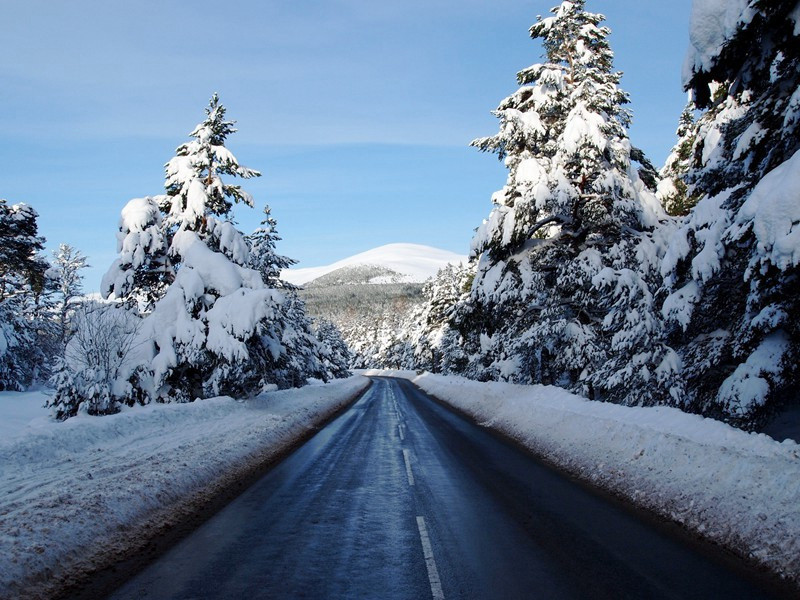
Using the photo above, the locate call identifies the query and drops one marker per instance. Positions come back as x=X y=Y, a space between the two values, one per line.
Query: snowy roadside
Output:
x=77 y=495
x=737 y=489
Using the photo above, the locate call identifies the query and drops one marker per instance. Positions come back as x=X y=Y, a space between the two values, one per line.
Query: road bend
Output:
x=399 y=498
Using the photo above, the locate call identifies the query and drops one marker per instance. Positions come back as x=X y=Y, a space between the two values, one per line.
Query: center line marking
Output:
x=430 y=562
x=408 y=468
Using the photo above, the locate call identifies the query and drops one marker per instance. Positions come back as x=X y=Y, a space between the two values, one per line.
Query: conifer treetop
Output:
x=563 y=136
x=194 y=185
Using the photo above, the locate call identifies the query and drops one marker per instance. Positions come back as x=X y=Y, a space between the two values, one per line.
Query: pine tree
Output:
x=263 y=257
x=437 y=345
x=563 y=138
x=731 y=273
x=68 y=282
x=673 y=191
x=211 y=324
x=195 y=189
x=143 y=270
x=336 y=353
x=567 y=226
x=22 y=282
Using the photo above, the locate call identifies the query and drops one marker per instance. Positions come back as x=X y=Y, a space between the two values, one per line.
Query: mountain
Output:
x=368 y=296
x=389 y=264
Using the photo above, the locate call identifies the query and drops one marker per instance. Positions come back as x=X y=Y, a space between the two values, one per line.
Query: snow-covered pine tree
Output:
x=263 y=256
x=66 y=278
x=212 y=325
x=673 y=192
x=195 y=189
x=22 y=281
x=336 y=354
x=732 y=269
x=216 y=313
x=143 y=270
x=571 y=210
x=437 y=345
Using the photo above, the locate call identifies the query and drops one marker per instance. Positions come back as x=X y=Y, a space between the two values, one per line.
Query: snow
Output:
x=738 y=489
x=21 y=410
x=415 y=261
x=795 y=16
x=86 y=490
x=745 y=388
x=773 y=208
x=712 y=23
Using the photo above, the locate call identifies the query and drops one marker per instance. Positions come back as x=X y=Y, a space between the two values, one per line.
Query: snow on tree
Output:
x=22 y=281
x=207 y=323
x=143 y=269
x=195 y=189
x=558 y=256
x=263 y=257
x=98 y=372
x=673 y=191
x=67 y=281
x=337 y=356
x=436 y=344
x=731 y=271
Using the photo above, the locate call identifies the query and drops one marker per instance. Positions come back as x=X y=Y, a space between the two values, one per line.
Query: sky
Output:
x=358 y=113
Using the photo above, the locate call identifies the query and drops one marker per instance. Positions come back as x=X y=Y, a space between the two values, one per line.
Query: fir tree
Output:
x=212 y=325
x=673 y=191
x=336 y=354
x=68 y=283
x=195 y=189
x=263 y=257
x=143 y=270
x=731 y=272
x=22 y=282
x=566 y=229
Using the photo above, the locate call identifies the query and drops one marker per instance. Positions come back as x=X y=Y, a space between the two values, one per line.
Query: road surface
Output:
x=400 y=498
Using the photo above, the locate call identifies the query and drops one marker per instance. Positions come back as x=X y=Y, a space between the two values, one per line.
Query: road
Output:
x=400 y=498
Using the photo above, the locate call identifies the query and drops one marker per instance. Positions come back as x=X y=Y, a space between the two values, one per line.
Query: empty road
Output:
x=399 y=498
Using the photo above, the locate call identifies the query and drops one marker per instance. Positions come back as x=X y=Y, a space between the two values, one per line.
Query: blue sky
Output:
x=358 y=113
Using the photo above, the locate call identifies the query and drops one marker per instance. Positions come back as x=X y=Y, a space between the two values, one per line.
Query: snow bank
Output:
x=79 y=493
x=738 y=489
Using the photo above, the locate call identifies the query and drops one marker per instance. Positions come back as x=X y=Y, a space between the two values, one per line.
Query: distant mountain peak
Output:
x=392 y=263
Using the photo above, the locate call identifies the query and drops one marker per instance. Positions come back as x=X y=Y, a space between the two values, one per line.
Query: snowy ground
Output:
x=738 y=489
x=20 y=411
x=80 y=493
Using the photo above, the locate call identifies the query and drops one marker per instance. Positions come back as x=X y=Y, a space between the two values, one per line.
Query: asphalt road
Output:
x=401 y=498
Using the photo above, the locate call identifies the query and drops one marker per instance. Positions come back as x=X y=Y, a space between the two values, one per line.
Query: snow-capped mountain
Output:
x=392 y=263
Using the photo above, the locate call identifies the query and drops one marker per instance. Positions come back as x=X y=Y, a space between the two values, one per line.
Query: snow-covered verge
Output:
x=79 y=495
x=738 y=489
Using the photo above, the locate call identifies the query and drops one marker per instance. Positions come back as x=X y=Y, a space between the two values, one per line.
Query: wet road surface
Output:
x=399 y=498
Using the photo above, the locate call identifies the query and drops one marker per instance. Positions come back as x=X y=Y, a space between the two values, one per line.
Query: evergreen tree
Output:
x=437 y=345
x=568 y=227
x=143 y=270
x=195 y=189
x=563 y=138
x=22 y=282
x=673 y=191
x=337 y=355
x=212 y=325
x=263 y=257
x=68 y=283
x=731 y=272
